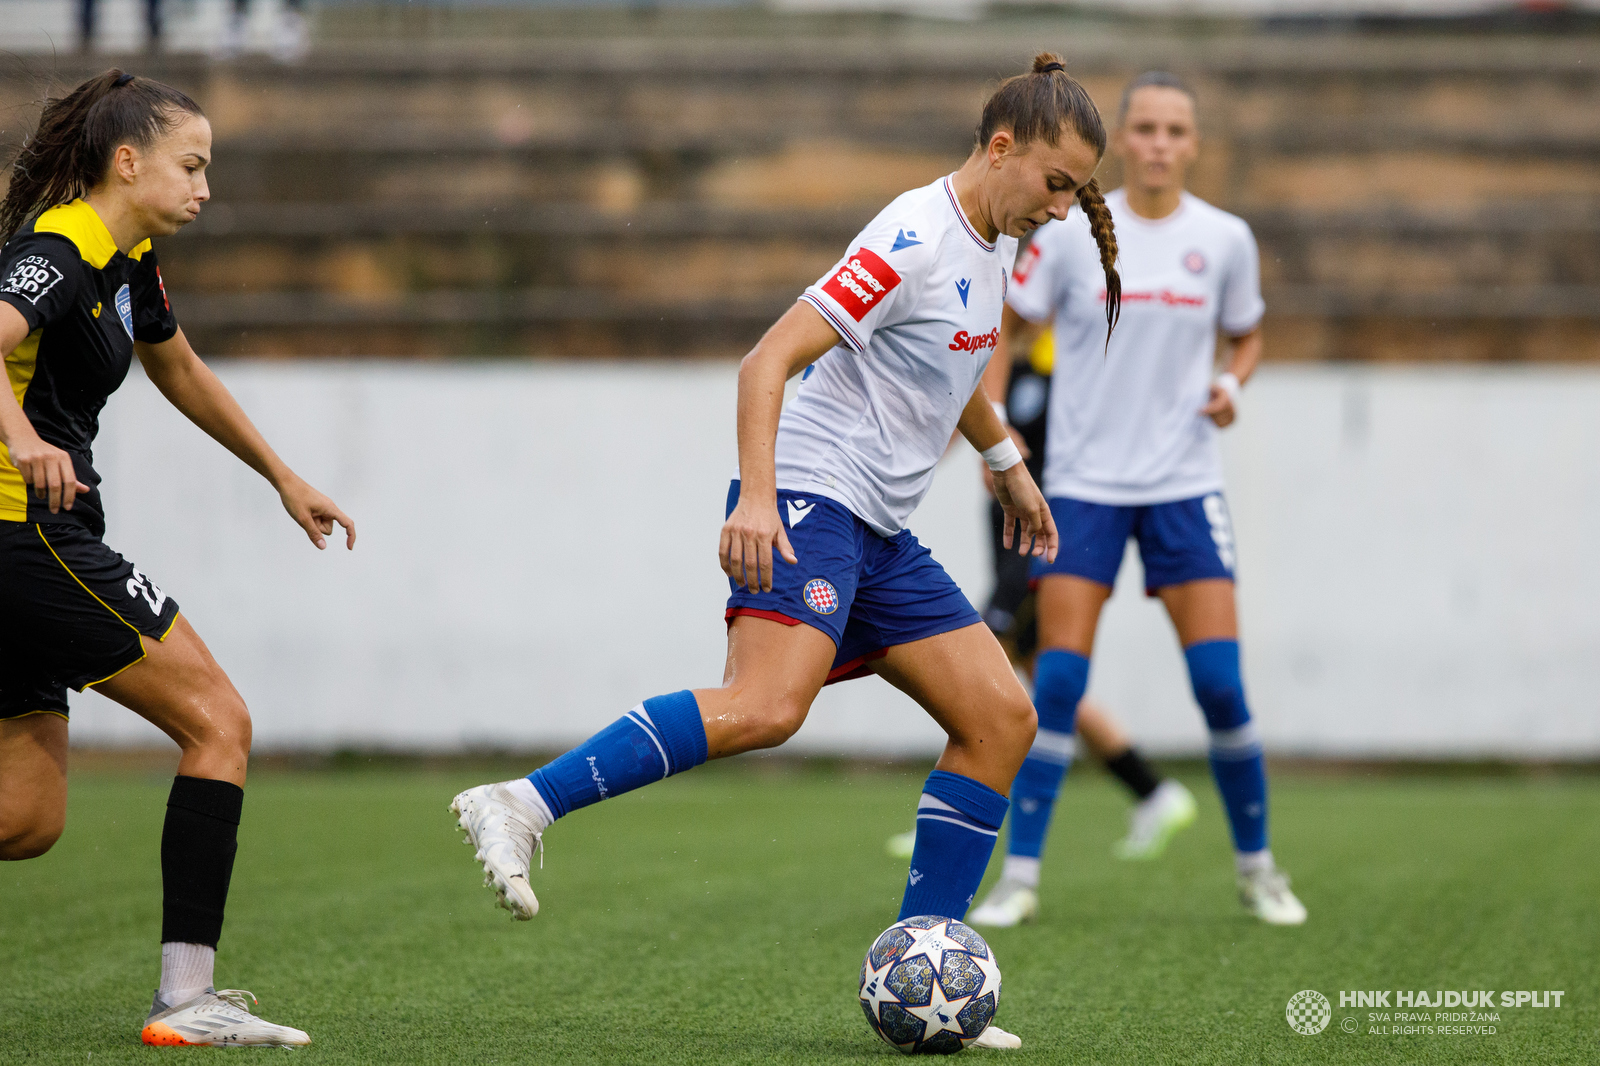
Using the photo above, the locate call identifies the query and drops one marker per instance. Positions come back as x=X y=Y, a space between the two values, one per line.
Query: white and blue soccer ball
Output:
x=930 y=985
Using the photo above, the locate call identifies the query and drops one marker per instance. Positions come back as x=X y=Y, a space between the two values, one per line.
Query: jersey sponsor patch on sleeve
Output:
x=861 y=283
x=31 y=277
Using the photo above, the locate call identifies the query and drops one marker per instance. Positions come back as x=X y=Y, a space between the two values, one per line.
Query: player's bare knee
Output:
x=30 y=836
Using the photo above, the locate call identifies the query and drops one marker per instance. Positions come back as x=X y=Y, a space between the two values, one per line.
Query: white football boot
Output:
x=215 y=1019
x=1009 y=903
x=901 y=845
x=1265 y=894
x=1156 y=820
x=997 y=1038
x=506 y=832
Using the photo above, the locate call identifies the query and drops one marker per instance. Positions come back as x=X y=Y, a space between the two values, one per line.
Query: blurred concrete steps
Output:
x=1433 y=197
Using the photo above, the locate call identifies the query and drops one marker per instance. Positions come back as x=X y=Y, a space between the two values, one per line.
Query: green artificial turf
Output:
x=722 y=917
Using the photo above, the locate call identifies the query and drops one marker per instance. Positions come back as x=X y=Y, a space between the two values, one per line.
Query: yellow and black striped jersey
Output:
x=85 y=303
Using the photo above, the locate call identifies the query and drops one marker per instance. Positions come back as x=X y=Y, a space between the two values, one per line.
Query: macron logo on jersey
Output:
x=905 y=239
x=861 y=283
x=964 y=286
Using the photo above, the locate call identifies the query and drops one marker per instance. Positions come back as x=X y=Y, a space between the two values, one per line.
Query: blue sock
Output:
x=660 y=737
x=1059 y=680
x=958 y=821
x=1236 y=761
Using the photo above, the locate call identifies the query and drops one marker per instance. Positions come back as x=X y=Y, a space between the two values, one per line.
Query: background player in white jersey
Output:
x=1132 y=452
x=826 y=581
x=1162 y=806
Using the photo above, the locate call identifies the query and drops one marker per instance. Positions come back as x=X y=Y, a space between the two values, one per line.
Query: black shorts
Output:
x=71 y=615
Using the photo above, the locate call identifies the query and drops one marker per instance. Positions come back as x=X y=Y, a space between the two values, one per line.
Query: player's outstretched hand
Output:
x=1026 y=506
x=49 y=470
x=316 y=514
x=1219 y=408
x=748 y=538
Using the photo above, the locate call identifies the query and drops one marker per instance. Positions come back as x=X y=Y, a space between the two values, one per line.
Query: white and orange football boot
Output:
x=215 y=1019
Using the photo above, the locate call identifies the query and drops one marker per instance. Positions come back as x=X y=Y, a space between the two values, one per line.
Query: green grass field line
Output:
x=721 y=917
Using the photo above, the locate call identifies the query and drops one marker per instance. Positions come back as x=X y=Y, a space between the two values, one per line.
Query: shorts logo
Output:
x=798 y=509
x=31 y=278
x=125 y=309
x=861 y=283
x=820 y=597
x=1194 y=263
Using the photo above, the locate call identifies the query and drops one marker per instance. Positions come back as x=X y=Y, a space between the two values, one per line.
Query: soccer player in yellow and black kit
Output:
x=115 y=162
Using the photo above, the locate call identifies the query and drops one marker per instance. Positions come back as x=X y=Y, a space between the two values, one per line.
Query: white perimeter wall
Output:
x=1418 y=559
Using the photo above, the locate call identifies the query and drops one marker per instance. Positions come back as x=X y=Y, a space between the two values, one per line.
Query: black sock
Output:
x=198 y=843
x=1133 y=771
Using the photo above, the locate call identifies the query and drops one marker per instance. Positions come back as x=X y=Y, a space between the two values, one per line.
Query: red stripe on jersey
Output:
x=861 y=283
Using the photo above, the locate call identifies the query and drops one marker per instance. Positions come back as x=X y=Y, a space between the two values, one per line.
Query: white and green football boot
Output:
x=505 y=833
x=215 y=1019
x=1008 y=903
x=1265 y=894
x=1156 y=820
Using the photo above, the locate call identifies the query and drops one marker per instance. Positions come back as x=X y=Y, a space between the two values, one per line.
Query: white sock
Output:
x=1249 y=862
x=523 y=789
x=186 y=971
x=1021 y=869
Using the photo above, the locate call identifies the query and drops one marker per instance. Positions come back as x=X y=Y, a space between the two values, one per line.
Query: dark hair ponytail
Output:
x=1036 y=106
x=79 y=133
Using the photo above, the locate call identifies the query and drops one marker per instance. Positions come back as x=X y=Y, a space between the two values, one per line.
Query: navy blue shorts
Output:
x=869 y=593
x=1186 y=540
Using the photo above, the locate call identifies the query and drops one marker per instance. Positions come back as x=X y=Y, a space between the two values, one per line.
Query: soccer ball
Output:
x=930 y=985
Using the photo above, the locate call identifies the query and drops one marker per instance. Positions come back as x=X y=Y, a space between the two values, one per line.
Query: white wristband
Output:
x=1001 y=412
x=1002 y=456
x=1229 y=384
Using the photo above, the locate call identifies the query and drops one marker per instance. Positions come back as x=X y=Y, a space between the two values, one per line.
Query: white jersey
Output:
x=917 y=302
x=1125 y=426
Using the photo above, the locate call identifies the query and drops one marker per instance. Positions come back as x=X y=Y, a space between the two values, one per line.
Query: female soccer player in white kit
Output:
x=826 y=581
x=1132 y=451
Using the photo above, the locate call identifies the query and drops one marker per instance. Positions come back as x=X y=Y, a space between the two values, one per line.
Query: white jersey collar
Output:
x=955 y=205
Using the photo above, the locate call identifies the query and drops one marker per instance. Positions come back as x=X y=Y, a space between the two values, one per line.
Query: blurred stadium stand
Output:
x=476 y=181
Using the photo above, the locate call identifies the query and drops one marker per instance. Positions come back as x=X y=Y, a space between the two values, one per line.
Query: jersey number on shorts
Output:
x=139 y=585
x=1221 y=528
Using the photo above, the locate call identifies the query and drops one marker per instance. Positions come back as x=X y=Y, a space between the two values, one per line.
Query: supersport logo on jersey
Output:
x=863 y=281
x=965 y=342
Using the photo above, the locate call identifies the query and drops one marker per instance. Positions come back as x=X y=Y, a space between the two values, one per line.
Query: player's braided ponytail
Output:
x=1038 y=105
x=1105 y=237
x=77 y=136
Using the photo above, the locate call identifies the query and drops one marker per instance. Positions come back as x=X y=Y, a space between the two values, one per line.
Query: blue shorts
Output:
x=1186 y=540
x=869 y=593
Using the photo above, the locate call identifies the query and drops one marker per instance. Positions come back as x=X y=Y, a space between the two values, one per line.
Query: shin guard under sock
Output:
x=661 y=737
x=1060 y=678
x=1237 y=764
x=198 y=844
x=958 y=821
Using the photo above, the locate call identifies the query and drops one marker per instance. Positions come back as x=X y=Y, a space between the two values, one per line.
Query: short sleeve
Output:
x=39 y=276
x=1241 y=303
x=153 y=320
x=875 y=285
x=1037 y=276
